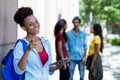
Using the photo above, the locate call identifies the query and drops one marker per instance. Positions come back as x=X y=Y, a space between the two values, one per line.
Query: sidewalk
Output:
x=110 y=58
x=111 y=63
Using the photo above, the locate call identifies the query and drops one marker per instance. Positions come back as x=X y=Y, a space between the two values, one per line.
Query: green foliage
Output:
x=115 y=41
x=108 y=10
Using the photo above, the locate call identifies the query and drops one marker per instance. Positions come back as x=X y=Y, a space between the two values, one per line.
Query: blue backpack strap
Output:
x=24 y=44
x=17 y=42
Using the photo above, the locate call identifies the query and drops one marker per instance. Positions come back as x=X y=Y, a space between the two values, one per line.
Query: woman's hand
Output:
x=91 y=67
x=32 y=44
x=56 y=66
x=68 y=61
x=64 y=66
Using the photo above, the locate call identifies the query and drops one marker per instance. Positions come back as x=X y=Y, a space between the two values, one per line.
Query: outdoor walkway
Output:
x=111 y=62
x=111 y=65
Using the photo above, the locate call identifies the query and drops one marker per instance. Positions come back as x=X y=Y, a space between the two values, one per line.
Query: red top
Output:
x=59 y=37
x=43 y=56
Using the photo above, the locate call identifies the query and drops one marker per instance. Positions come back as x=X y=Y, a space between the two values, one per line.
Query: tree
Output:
x=103 y=10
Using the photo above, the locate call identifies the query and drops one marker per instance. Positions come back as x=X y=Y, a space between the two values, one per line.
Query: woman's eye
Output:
x=31 y=24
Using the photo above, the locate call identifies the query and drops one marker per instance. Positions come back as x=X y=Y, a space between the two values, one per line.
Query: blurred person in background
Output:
x=94 y=62
x=77 y=47
x=61 y=51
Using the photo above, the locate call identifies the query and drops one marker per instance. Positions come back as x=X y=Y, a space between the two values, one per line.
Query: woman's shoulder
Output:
x=97 y=37
x=20 y=45
x=58 y=34
x=44 y=39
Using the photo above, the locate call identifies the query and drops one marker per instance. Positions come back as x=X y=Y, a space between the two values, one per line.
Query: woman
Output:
x=60 y=40
x=96 y=46
x=35 y=61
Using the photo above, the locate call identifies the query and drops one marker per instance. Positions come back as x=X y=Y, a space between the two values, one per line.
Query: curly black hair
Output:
x=21 y=14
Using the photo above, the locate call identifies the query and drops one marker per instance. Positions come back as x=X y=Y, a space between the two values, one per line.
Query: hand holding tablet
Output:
x=65 y=60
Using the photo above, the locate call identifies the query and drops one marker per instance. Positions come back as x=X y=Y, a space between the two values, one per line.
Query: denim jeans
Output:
x=64 y=74
x=81 y=68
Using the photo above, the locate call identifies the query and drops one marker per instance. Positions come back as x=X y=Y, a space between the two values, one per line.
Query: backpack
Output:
x=8 y=71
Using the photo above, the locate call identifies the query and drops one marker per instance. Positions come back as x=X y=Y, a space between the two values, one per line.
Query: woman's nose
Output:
x=36 y=24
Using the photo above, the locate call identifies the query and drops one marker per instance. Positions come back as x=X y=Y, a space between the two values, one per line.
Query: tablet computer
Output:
x=61 y=60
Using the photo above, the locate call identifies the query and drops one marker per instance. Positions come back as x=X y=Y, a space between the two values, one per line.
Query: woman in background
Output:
x=94 y=62
x=61 y=51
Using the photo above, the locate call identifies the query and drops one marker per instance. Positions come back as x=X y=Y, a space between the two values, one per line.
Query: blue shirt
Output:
x=76 y=44
x=33 y=69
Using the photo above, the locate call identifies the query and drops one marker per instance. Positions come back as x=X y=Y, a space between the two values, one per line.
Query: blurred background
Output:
x=105 y=12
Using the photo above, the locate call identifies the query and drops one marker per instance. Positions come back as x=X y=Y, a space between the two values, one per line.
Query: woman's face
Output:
x=31 y=25
x=65 y=27
x=91 y=29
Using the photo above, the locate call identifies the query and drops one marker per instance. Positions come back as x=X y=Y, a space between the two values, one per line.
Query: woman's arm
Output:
x=95 y=56
x=60 y=52
x=59 y=49
x=23 y=60
x=56 y=66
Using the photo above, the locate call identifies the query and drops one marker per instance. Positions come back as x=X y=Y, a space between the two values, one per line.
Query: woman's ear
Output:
x=24 y=28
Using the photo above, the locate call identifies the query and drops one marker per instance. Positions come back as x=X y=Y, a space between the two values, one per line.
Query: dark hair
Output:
x=59 y=25
x=77 y=18
x=21 y=14
x=98 y=31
